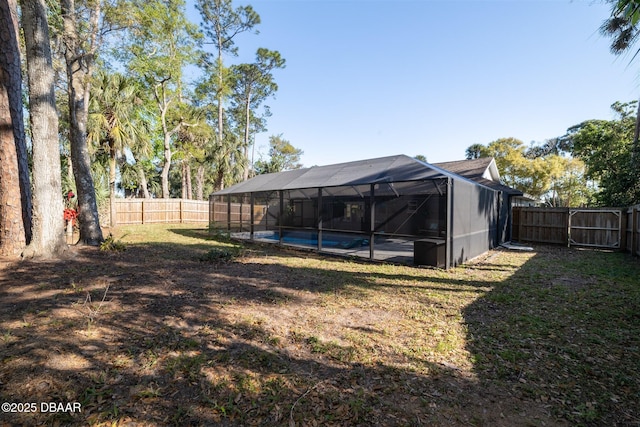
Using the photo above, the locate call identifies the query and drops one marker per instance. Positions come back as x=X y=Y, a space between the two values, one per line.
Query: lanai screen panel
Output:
x=300 y=208
x=474 y=228
x=266 y=207
x=240 y=215
x=345 y=208
x=414 y=208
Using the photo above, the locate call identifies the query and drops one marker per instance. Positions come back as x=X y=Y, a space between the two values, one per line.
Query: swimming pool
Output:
x=302 y=238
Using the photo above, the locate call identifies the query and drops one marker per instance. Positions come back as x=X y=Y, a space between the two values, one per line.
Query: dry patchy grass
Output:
x=185 y=329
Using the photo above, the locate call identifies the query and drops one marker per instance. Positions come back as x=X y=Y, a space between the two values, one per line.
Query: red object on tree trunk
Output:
x=70 y=215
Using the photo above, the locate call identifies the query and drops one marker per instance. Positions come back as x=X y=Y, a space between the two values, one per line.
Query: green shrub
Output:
x=110 y=244
x=216 y=255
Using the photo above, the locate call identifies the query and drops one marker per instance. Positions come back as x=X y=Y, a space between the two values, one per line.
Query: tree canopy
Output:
x=543 y=174
x=592 y=164
x=282 y=157
x=606 y=148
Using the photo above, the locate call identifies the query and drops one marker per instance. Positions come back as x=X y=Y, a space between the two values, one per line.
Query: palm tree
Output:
x=191 y=146
x=114 y=124
x=622 y=27
x=228 y=160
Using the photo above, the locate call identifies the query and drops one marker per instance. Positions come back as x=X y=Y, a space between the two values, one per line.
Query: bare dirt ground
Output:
x=156 y=336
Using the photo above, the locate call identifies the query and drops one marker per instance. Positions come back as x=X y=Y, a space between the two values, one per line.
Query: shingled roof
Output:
x=479 y=170
x=475 y=168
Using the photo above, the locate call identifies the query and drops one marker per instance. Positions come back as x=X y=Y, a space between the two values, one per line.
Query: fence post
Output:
x=636 y=215
x=281 y=215
x=229 y=213
x=142 y=210
x=634 y=231
x=251 y=216
x=569 y=228
x=624 y=224
x=520 y=225
x=213 y=221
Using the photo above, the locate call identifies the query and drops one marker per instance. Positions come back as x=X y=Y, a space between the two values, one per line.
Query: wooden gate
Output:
x=540 y=225
x=599 y=228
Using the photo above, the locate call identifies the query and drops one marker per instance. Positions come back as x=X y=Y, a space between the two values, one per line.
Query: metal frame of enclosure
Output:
x=394 y=209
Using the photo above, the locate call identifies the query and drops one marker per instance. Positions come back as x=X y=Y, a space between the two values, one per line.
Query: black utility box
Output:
x=429 y=252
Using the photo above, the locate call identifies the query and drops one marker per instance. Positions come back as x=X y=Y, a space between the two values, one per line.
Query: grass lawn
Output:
x=182 y=328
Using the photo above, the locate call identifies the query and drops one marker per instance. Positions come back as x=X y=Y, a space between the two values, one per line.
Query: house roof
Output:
x=474 y=168
x=385 y=169
x=483 y=171
x=397 y=168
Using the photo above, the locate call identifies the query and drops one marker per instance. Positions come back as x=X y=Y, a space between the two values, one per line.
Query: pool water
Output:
x=311 y=239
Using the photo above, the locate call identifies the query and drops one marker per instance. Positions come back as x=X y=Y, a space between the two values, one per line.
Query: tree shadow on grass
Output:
x=155 y=336
x=564 y=331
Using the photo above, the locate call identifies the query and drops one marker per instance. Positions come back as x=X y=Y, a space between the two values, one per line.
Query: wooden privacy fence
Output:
x=148 y=211
x=235 y=215
x=540 y=225
x=611 y=228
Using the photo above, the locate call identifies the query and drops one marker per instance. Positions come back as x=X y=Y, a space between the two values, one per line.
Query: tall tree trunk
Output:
x=187 y=192
x=48 y=227
x=246 y=136
x=219 y=180
x=164 y=175
x=79 y=68
x=69 y=168
x=183 y=175
x=142 y=183
x=188 y=180
x=112 y=183
x=200 y=182
x=163 y=106
x=219 y=183
x=15 y=193
x=220 y=87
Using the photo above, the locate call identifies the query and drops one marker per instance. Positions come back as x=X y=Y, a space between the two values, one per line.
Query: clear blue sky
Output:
x=372 y=78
